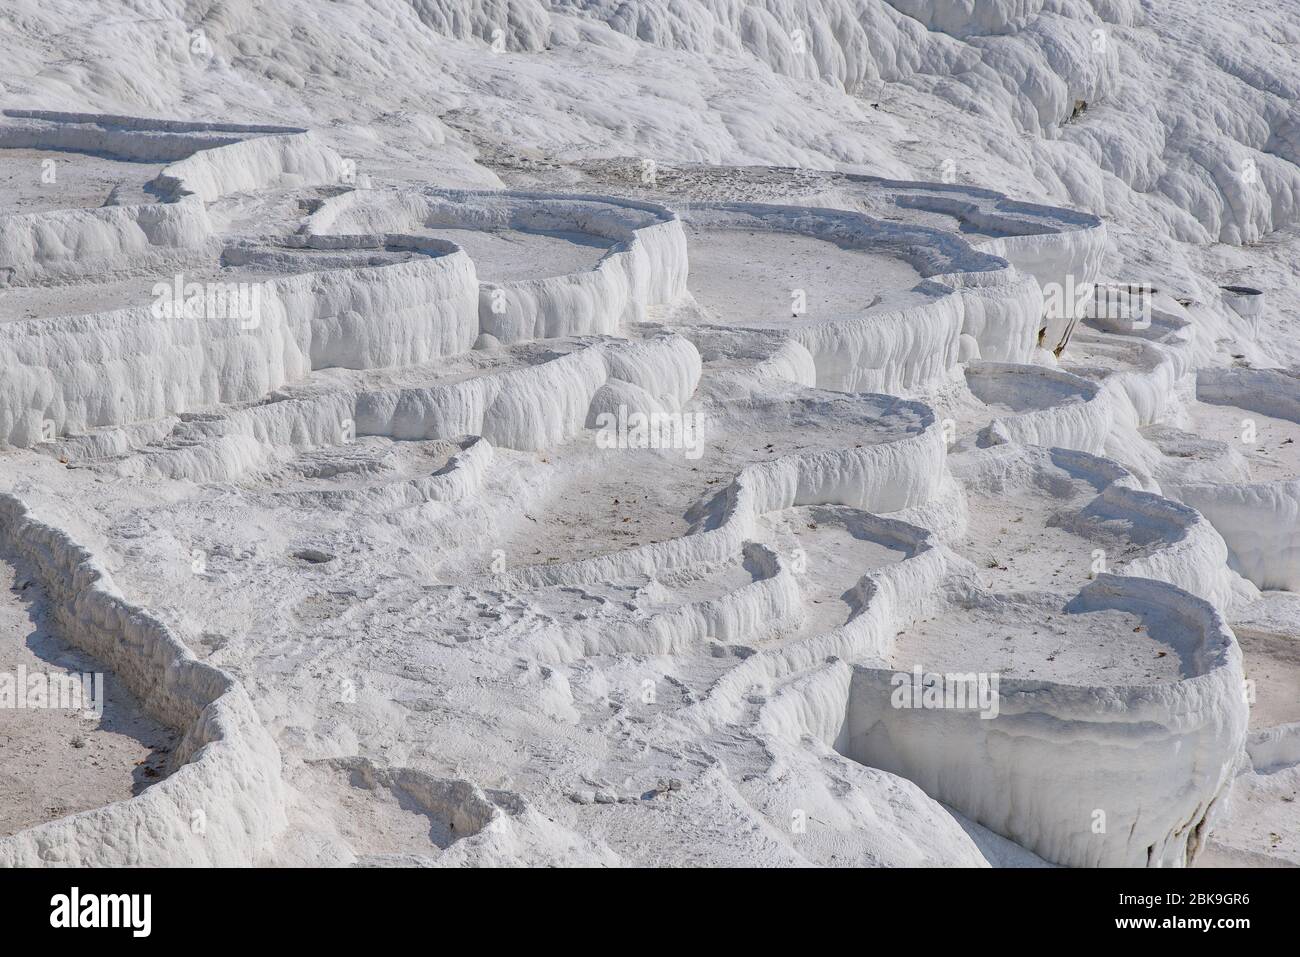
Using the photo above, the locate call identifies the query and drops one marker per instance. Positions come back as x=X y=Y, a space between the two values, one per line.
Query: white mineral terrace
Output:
x=607 y=484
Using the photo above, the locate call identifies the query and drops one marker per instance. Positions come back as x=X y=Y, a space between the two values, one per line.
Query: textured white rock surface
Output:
x=769 y=363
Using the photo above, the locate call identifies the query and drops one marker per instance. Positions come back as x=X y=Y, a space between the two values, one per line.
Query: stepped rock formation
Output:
x=834 y=432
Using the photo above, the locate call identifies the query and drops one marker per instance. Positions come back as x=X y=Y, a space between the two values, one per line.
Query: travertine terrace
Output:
x=447 y=475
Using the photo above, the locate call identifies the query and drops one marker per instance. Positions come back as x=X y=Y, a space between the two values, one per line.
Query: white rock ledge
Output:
x=1260 y=521
x=225 y=799
x=1155 y=759
x=645 y=265
x=207 y=161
